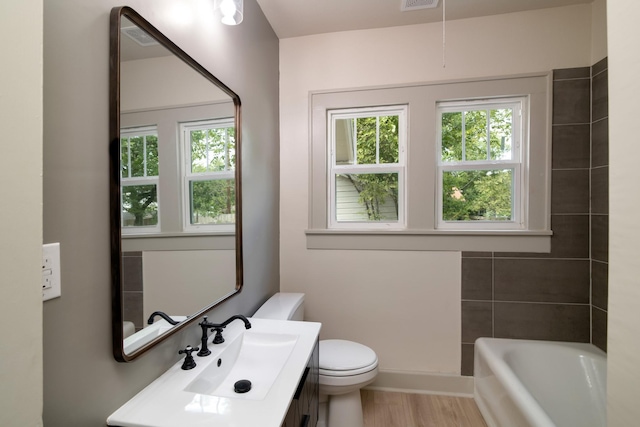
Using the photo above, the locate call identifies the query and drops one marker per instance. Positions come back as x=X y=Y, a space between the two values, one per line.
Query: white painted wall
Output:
x=21 y=214
x=623 y=386
x=177 y=282
x=598 y=30
x=405 y=305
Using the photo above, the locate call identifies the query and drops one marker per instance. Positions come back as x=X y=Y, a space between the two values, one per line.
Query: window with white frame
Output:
x=209 y=174
x=367 y=167
x=478 y=177
x=139 y=179
x=481 y=170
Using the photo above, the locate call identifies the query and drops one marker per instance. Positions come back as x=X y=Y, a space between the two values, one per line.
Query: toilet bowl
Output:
x=345 y=366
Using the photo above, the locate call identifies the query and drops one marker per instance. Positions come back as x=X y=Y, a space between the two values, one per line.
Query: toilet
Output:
x=345 y=366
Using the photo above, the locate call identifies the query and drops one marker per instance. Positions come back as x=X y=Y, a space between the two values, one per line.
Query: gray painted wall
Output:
x=83 y=384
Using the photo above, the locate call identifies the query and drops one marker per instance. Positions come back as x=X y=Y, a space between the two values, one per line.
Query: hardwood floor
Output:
x=387 y=409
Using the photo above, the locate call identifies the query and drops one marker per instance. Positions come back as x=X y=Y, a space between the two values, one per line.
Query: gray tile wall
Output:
x=599 y=202
x=132 y=288
x=550 y=296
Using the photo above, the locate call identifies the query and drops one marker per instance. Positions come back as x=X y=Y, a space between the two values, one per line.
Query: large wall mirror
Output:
x=175 y=190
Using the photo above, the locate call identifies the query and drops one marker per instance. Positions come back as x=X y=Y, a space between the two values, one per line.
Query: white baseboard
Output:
x=421 y=382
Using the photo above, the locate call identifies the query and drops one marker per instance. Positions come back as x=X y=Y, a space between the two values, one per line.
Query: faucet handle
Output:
x=204 y=321
x=188 y=363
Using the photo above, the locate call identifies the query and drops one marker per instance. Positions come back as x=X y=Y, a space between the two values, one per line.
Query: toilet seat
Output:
x=341 y=358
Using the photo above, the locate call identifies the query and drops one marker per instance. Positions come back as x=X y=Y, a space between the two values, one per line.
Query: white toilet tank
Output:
x=283 y=306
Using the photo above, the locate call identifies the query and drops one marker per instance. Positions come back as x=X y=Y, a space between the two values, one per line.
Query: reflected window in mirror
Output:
x=139 y=175
x=209 y=149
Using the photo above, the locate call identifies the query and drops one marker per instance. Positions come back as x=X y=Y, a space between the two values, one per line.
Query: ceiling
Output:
x=294 y=18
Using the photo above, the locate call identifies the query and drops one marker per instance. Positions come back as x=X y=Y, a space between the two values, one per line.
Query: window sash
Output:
x=131 y=181
x=519 y=147
x=189 y=177
x=398 y=168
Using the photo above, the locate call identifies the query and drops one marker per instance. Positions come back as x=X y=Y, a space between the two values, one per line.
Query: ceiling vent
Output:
x=409 y=5
x=140 y=36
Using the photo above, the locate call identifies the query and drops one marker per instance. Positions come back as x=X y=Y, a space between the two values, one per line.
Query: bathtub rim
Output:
x=528 y=406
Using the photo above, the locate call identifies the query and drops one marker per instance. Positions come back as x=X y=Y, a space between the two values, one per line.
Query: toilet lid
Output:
x=339 y=356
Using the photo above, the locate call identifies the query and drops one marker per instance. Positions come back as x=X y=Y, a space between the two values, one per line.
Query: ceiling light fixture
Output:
x=230 y=12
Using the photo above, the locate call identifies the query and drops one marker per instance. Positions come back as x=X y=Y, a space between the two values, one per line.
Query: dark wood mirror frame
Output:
x=114 y=180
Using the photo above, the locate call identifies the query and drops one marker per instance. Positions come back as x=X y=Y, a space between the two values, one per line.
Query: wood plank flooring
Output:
x=387 y=409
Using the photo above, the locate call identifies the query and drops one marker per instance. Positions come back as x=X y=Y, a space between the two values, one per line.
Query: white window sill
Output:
x=178 y=241
x=431 y=240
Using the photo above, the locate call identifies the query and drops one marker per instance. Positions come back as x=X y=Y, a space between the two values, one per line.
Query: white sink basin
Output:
x=254 y=356
x=272 y=355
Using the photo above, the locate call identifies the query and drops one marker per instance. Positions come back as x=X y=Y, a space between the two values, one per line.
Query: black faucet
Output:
x=218 y=327
x=163 y=315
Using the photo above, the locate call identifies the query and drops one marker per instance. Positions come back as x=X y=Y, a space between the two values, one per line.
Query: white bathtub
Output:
x=540 y=383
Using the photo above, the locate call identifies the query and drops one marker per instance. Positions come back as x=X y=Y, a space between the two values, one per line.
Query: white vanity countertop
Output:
x=165 y=403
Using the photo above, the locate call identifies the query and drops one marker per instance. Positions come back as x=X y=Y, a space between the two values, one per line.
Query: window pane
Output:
x=501 y=133
x=139 y=205
x=198 y=151
x=475 y=125
x=124 y=157
x=344 y=141
x=477 y=195
x=152 y=155
x=216 y=150
x=137 y=155
x=451 y=137
x=366 y=140
x=213 y=201
x=367 y=197
x=388 y=139
x=213 y=150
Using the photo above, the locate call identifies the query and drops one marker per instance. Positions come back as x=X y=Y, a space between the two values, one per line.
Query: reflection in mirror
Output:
x=175 y=188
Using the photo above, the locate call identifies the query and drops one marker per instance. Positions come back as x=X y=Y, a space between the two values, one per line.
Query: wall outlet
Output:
x=51 y=271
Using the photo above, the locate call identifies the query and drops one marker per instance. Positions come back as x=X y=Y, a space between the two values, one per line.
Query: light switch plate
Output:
x=51 y=271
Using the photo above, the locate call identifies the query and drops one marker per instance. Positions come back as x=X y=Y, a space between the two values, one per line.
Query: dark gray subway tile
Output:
x=600 y=284
x=472 y=254
x=600 y=237
x=599 y=324
x=570 y=191
x=132 y=273
x=600 y=143
x=133 y=309
x=538 y=321
x=466 y=367
x=600 y=90
x=570 y=239
x=476 y=320
x=599 y=66
x=542 y=280
x=477 y=275
x=571 y=101
x=132 y=253
x=600 y=190
x=570 y=146
x=572 y=73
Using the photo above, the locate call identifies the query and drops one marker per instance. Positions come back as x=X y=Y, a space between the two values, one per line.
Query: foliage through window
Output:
x=480 y=163
x=209 y=176
x=139 y=177
x=367 y=167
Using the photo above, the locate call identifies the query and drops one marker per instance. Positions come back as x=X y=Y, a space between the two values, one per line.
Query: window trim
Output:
x=399 y=168
x=421 y=233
